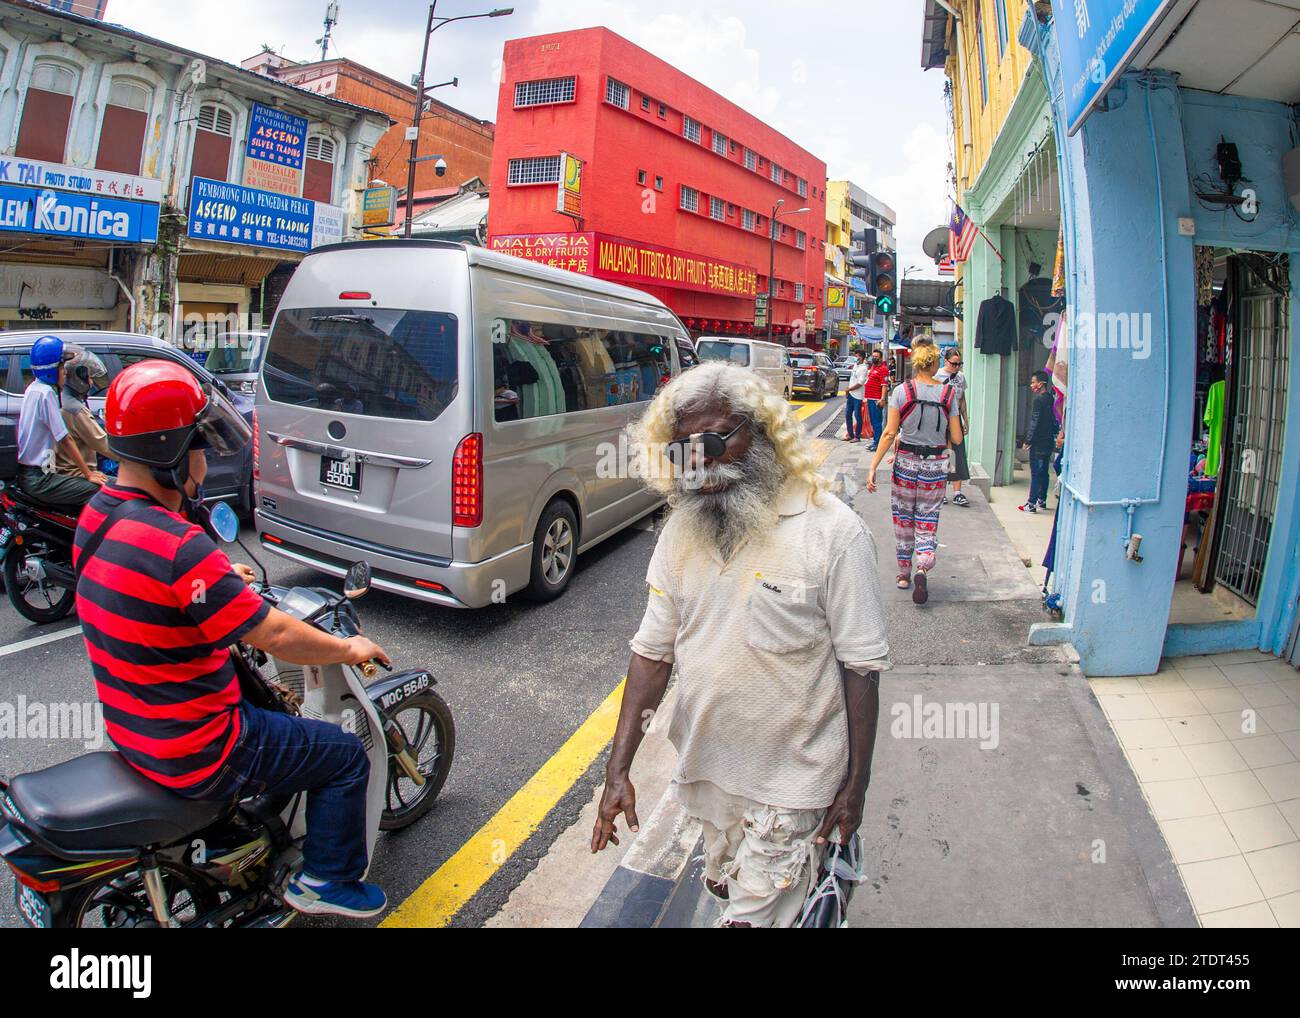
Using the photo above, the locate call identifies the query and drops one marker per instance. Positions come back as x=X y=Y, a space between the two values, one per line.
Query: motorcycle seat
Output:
x=68 y=513
x=100 y=802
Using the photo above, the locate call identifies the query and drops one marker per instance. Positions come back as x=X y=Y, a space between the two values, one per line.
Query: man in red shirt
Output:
x=160 y=604
x=876 y=392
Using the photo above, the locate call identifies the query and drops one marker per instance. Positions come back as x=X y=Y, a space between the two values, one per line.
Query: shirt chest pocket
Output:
x=784 y=615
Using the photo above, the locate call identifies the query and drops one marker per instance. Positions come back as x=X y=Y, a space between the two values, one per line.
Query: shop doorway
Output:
x=1235 y=467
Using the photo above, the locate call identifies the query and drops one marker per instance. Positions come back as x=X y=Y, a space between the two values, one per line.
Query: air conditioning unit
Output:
x=1291 y=175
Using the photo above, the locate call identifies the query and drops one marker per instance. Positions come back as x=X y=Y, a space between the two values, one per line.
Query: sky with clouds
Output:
x=813 y=69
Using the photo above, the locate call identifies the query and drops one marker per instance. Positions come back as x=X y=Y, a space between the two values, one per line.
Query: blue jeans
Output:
x=1038 y=467
x=853 y=409
x=876 y=414
x=278 y=754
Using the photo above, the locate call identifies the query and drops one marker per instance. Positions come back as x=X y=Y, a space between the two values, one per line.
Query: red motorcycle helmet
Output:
x=157 y=411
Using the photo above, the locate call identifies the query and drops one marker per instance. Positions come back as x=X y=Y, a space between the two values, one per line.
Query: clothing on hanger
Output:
x=995 y=326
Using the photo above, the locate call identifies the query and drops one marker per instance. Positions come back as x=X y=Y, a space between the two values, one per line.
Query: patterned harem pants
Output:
x=915 y=497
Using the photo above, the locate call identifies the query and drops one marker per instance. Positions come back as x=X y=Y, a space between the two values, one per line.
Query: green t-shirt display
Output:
x=1214 y=421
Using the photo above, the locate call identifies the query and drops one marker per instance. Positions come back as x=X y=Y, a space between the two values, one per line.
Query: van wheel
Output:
x=555 y=546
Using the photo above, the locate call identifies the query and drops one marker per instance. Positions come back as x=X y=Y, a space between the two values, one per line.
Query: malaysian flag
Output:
x=946 y=266
x=962 y=232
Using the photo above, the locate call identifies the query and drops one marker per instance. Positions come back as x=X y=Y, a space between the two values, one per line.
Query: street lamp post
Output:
x=429 y=28
x=771 y=258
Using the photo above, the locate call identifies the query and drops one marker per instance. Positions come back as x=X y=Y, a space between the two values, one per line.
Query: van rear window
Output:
x=376 y=362
x=720 y=350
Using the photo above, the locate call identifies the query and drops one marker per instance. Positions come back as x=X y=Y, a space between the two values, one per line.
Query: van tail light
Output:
x=257 y=452
x=354 y=295
x=467 y=482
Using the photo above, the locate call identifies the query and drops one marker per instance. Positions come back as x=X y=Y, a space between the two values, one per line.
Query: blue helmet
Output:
x=47 y=355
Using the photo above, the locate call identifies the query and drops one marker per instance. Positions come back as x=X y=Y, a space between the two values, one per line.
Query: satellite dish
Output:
x=935 y=244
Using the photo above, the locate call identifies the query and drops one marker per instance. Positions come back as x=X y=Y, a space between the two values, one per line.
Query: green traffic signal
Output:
x=885 y=304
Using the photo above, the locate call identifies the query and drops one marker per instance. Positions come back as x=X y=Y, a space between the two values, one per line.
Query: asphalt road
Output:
x=520 y=678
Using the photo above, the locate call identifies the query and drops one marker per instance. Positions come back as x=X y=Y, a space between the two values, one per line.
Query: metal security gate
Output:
x=1257 y=377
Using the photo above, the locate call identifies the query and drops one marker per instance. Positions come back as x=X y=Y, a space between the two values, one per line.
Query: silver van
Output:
x=453 y=415
x=770 y=361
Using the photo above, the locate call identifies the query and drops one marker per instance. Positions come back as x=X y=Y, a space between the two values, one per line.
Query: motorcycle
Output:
x=36 y=546
x=93 y=843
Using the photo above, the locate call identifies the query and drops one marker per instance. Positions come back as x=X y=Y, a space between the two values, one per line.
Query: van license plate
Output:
x=340 y=473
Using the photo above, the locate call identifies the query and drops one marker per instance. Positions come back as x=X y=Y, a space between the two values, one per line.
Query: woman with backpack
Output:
x=923 y=417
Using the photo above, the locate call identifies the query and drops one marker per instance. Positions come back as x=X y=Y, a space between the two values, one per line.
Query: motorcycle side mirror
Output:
x=225 y=524
x=357 y=581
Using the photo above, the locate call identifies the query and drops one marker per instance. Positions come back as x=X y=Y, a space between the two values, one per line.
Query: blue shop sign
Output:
x=72 y=214
x=276 y=137
x=1098 y=40
x=244 y=215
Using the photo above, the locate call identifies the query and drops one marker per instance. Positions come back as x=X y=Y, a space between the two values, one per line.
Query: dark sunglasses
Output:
x=711 y=443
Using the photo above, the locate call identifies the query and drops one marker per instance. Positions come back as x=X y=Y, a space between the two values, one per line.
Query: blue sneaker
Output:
x=355 y=899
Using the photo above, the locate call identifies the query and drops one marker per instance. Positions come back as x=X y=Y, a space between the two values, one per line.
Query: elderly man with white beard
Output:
x=763 y=590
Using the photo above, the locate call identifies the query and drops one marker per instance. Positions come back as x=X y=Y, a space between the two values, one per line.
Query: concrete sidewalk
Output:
x=1034 y=820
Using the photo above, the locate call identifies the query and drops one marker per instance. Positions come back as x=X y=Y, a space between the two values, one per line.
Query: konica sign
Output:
x=73 y=214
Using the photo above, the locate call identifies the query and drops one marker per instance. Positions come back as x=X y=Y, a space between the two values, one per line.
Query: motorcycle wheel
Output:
x=426 y=719
x=34 y=601
x=120 y=901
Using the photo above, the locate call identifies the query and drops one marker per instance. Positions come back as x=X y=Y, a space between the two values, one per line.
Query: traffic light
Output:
x=864 y=248
x=884 y=281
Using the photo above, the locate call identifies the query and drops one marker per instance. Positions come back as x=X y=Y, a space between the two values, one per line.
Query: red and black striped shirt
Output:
x=159 y=605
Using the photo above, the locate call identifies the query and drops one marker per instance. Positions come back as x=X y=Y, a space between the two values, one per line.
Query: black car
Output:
x=229 y=478
x=815 y=374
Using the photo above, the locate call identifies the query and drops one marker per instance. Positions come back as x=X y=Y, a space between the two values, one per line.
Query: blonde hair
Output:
x=742 y=392
x=925 y=357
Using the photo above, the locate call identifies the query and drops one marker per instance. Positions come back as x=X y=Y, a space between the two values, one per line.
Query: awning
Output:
x=214 y=268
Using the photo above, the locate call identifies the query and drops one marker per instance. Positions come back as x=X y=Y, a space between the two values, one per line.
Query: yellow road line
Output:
x=443 y=894
x=803 y=411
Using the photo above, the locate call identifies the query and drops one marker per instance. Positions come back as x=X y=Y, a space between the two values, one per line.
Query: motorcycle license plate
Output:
x=34 y=908
x=340 y=473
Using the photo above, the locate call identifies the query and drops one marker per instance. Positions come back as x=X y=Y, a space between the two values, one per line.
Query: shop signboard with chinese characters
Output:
x=810 y=316
x=70 y=201
x=234 y=214
x=568 y=193
x=273 y=159
x=1098 y=39
x=378 y=207
x=760 y=310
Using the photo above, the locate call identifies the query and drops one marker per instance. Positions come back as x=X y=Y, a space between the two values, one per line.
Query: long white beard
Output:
x=725 y=518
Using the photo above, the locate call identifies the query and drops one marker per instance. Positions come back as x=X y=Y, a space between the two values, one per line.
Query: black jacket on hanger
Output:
x=995 y=328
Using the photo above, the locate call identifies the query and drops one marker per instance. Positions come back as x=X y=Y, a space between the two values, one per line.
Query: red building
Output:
x=677 y=184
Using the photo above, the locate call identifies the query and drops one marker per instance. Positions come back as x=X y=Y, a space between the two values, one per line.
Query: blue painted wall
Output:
x=1125 y=184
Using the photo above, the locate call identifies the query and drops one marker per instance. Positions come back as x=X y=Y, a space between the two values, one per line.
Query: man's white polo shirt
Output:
x=758 y=640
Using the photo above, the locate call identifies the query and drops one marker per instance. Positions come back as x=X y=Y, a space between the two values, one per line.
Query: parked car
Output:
x=844 y=367
x=815 y=374
x=236 y=358
x=454 y=415
x=770 y=361
x=229 y=478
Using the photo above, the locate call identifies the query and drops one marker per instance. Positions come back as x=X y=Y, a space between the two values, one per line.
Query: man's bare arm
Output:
x=646 y=682
x=862 y=700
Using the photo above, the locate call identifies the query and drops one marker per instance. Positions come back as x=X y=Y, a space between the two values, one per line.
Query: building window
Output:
x=719 y=143
x=318 y=175
x=751 y=160
x=47 y=112
x=803 y=188
x=979 y=44
x=800 y=239
x=663 y=112
x=747 y=218
x=545 y=93
x=616 y=93
x=778 y=174
x=645 y=103
x=717 y=208
x=659 y=183
x=640 y=176
x=121 y=135
x=1000 y=10
x=212 y=139
x=691 y=129
x=536 y=170
x=690 y=199
x=798 y=291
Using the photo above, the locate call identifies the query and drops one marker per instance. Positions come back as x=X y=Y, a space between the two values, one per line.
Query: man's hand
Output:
x=244 y=572
x=844 y=812
x=96 y=477
x=363 y=650
x=619 y=797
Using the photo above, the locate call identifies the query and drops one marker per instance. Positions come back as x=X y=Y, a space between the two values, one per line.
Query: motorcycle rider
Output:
x=160 y=604
x=83 y=370
x=41 y=431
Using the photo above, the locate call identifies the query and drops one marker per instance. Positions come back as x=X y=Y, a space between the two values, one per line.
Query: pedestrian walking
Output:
x=875 y=392
x=923 y=417
x=854 y=396
x=1040 y=441
x=951 y=374
x=763 y=591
